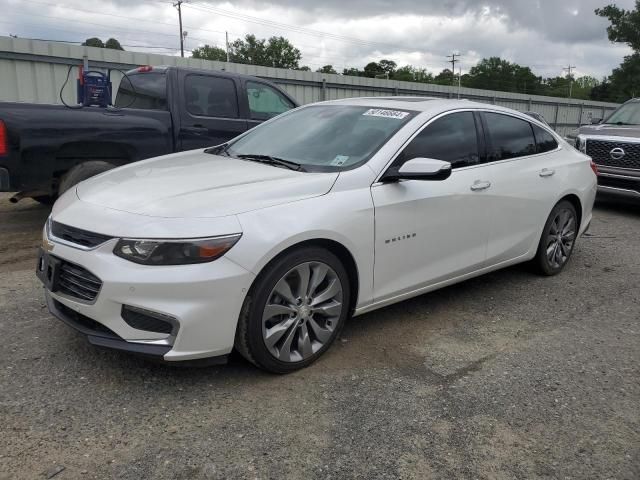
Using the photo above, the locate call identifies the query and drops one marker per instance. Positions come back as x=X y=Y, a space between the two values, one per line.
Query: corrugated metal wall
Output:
x=34 y=71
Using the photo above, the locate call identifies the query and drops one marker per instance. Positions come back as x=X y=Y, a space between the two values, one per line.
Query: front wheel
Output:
x=558 y=239
x=295 y=311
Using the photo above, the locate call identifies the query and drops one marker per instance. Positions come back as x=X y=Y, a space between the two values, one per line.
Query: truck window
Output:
x=211 y=96
x=146 y=90
x=266 y=102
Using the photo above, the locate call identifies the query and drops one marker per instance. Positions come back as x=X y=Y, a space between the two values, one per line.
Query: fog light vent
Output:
x=141 y=319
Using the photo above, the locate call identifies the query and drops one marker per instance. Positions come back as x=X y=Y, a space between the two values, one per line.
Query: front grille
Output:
x=78 y=282
x=78 y=236
x=82 y=322
x=600 y=152
x=624 y=183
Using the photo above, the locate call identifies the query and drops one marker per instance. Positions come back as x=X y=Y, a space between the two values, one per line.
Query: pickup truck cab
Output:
x=46 y=149
x=614 y=145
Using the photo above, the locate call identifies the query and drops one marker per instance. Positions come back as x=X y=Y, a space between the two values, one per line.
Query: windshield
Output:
x=627 y=114
x=322 y=137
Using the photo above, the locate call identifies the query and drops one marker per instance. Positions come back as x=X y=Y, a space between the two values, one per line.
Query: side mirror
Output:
x=420 y=169
x=596 y=121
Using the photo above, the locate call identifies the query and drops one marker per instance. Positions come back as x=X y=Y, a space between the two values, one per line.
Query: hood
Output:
x=200 y=185
x=632 y=131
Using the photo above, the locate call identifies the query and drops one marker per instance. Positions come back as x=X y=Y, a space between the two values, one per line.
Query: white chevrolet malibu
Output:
x=268 y=243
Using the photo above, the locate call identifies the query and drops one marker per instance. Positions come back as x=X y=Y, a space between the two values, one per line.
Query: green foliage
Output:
x=326 y=69
x=208 y=52
x=409 y=73
x=624 y=82
x=274 y=52
x=112 y=43
x=353 y=72
x=625 y=24
x=93 y=42
x=445 y=77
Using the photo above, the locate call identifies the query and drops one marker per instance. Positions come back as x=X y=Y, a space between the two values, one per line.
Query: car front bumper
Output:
x=203 y=301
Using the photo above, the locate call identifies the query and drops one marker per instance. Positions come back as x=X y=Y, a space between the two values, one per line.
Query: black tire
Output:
x=542 y=263
x=81 y=172
x=45 y=199
x=249 y=341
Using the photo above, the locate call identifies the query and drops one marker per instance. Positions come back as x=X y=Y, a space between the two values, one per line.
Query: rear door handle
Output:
x=478 y=185
x=546 y=172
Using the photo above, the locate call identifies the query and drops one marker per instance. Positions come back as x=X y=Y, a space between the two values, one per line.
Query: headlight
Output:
x=581 y=144
x=175 y=252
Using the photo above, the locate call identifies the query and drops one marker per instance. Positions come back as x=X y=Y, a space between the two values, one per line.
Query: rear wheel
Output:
x=81 y=172
x=295 y=311
x=558 y=239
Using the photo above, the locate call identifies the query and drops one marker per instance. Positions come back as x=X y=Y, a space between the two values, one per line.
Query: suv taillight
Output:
x=4 y=140
x=594 y=167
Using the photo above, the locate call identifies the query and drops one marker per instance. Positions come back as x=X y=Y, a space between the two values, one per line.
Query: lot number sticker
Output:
x=380 y=112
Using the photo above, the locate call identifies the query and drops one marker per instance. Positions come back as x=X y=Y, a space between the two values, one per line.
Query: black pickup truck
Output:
x=46 y=149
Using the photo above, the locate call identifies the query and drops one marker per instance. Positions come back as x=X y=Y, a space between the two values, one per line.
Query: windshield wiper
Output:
x=269 y=160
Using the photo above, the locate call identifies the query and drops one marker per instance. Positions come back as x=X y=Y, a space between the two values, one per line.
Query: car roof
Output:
x=431 y=105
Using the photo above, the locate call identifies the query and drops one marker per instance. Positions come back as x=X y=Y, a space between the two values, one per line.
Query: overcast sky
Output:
x=546 y=35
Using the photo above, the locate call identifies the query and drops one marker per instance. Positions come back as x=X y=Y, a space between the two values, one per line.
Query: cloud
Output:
x=543 y=34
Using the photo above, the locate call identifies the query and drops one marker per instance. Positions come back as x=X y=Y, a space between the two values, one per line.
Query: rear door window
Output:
x=143 y=90
x=510 y=137
x=210 y=96
x=544 y=140
x=266 y=102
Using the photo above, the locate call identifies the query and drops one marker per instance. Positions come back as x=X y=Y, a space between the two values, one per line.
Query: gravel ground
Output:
x=506 y=376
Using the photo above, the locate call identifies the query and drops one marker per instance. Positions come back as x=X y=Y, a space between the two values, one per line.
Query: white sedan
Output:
x=267 y=244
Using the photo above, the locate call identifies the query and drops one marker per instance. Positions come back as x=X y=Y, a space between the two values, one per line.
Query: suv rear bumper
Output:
x=4 y=180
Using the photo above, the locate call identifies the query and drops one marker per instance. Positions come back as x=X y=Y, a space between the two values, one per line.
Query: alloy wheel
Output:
x=302 y=311
x=560 y=238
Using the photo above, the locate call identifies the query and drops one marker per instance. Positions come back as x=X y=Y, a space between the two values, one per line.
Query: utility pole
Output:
x=569 y=69
x=459 y=81
x=453 y=61
x=226 y=37
x=178 y=5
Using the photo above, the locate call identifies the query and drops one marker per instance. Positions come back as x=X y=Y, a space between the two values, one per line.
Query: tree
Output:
x=388 y=66
x=326 y=69
x=93 y=42
x=494 y=73
x=112 y=43
x=274 y=52
x=304 y=68
x=445 y=77
x=208 y=52
x=624 y=27
x=373 y=69
x=409 y=73
x=353 y=72
x=625 y=24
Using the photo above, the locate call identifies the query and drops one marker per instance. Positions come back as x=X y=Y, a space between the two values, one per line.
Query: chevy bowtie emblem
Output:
x=617 y=153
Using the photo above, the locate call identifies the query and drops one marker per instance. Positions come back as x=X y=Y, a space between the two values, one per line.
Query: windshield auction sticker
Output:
x=380 y=112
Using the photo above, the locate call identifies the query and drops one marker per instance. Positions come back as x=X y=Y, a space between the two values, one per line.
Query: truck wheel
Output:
x=82 y=172
x=45 y=199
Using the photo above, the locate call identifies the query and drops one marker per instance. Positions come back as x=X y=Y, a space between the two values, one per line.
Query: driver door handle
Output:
x=546 y=172
x=479 y=185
